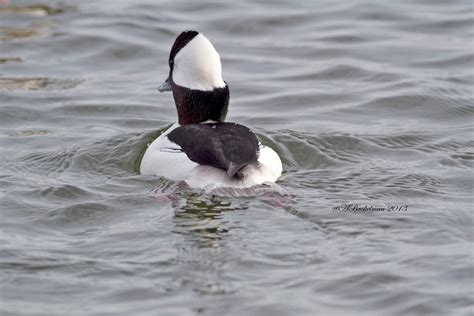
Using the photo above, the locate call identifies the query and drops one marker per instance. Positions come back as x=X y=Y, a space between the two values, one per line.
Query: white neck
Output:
x=198 y=66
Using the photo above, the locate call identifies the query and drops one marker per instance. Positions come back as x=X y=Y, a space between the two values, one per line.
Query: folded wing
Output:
x=227 y=146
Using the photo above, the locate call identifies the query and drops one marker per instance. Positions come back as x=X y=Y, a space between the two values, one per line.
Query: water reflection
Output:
x=33 y=10
x=201 y=219
x=9 y=33
x=10 y=60
x=39 y=83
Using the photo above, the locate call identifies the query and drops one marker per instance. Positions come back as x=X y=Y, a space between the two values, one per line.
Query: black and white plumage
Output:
x=228 y=146
x=201 y=149
x=199 y=92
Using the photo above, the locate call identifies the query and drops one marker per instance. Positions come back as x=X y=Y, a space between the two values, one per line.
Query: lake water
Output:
x=367 y=102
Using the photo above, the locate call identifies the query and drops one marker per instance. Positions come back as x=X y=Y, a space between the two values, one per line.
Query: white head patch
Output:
x=198 y=65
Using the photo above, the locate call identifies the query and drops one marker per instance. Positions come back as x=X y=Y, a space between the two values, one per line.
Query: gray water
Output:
x=367 y=103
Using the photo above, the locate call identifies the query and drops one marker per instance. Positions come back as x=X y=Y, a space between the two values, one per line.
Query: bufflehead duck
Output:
x=201 y=149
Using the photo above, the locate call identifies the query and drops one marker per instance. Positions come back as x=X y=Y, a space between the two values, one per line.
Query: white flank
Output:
x=163 y=158
x=198 y=65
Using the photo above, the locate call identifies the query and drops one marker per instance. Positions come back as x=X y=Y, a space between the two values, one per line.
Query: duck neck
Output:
x=197 y=106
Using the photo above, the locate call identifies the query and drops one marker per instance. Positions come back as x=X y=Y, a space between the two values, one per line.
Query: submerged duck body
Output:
x=201 y=149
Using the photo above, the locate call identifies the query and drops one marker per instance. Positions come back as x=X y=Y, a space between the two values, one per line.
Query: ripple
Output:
x=402 y=140
x=443 y=25
x=424 y=182
x=48 y=163
x=425 y=106
x=345 y=72
x=11 y=115
x=64 y=192
x=300 y=152
x=259 y=25
x=79 y=213
x=28 y=133
x=101 y=109
x=460 y=60
x=430 y=143
x=349 y=39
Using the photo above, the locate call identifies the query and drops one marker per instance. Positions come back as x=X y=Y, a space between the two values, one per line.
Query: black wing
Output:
x=227 y=146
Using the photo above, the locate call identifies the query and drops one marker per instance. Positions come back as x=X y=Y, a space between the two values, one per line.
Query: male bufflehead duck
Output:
x=201 y=149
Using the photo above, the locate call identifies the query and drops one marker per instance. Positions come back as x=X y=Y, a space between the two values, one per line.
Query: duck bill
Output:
x=165 y=86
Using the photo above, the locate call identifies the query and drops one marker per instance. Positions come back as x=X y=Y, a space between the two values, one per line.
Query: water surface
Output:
x=367 y=103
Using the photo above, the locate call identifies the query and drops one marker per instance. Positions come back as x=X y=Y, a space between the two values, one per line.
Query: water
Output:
x=367 y=102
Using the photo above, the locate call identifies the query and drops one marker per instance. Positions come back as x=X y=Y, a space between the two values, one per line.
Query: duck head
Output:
x=195 y=78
